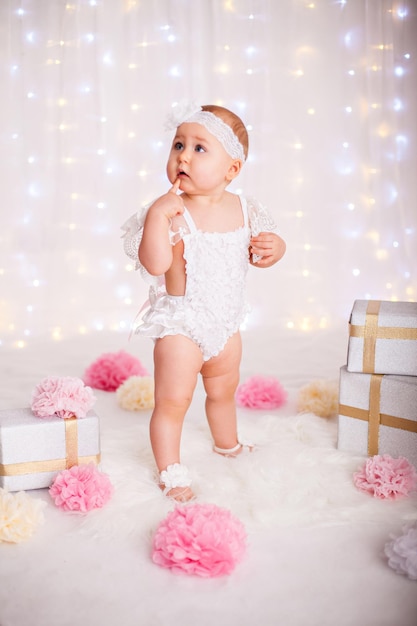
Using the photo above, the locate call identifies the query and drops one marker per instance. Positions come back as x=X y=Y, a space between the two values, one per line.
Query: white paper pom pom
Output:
x=136 y=393
x=319 y=397
x=402 y=552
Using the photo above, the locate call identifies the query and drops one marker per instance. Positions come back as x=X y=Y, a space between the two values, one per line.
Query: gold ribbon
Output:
x=52 y=465
x=374 y=417
x=374 y=413
x=71 y=442
x=370 y=332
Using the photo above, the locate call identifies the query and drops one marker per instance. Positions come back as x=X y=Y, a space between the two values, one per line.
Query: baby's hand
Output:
x=268 y=246
x=175 y=187
x=170 y=204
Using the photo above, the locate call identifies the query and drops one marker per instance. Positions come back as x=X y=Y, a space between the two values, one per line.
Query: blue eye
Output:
x=199 y=148
x=178 y=145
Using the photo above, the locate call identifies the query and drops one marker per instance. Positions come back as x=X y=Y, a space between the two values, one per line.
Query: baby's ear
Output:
x=234 y=169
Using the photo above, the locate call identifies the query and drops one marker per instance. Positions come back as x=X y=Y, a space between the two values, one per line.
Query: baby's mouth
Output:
x=181 y=174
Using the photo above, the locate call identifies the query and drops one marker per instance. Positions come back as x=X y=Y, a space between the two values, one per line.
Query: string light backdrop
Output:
x=327 y=90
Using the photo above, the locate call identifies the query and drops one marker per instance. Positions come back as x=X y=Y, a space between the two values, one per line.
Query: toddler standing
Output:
x=194 y=244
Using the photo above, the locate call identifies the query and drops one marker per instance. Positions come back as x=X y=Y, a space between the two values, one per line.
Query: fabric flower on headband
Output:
x=20 y=515
x=63 y=396
x=386 y=477
x=179 y=113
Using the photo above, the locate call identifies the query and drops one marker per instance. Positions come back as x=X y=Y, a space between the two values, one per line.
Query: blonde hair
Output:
x=232 y=120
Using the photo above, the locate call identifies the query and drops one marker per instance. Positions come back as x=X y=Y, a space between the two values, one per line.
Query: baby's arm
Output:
x=155 y=250
x=269 y=246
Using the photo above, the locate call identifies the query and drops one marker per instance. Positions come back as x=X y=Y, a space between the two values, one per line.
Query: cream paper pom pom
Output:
x=136 y=393
x=320 y=397
x=20 y=515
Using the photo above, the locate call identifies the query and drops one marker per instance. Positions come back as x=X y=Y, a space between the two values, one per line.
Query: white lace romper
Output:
x=214 y=304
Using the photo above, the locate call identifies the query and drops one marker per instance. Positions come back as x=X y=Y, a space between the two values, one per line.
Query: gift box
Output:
x=33 y=450
x=383 y=337
x=378 y=414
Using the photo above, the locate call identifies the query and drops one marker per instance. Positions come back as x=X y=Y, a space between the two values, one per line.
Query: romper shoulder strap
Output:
x=190 y=222
x=244 y=206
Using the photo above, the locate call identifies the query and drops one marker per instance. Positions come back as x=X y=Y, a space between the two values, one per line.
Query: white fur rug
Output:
x=315 y=544
x=295 y=477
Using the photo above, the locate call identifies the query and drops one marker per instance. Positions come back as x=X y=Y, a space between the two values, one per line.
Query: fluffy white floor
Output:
x=315 y=544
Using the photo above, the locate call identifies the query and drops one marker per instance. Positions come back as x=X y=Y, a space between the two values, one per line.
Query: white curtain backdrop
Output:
x=327 y=89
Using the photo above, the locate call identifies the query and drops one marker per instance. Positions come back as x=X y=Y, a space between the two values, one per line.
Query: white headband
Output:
x=191 y=113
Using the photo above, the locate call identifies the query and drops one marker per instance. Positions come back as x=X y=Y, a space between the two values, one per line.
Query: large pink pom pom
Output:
x=63 y=396
x=385 y=477
x=199 y=539
x=81 y=489
x=110 y=370
x=260 y=392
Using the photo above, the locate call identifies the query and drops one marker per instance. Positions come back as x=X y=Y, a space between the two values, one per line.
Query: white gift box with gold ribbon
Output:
x=378 y=414
x=383 y=337
x=33 y=450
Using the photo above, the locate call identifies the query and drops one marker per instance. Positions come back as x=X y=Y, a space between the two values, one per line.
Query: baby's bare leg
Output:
x=221 y=378
x=177 y=362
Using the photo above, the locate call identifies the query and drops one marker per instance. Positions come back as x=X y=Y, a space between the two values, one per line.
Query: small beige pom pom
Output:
x=136 y=393
x=320 y=397
x=20 y=515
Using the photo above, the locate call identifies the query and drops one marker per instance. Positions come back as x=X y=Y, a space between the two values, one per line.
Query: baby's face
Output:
x=199 y=160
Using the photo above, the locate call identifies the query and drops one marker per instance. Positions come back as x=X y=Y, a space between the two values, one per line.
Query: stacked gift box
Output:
x=378 y=385
x=33 y=450
x=57 y=432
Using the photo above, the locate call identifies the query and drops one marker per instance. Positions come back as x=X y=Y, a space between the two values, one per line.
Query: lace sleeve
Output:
x=259 y=217
x=178 y=229
x=259 y=221
x=132 y=236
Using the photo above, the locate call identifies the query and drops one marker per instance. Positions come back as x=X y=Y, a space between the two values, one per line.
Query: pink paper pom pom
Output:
x=63 y=396
x=260 y=392
x=110 y=370
x=402 y=552
x=199 y=539
x=385 y=477
x=81 y=488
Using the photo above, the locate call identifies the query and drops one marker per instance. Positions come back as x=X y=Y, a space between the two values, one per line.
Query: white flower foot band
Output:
x=175 y=475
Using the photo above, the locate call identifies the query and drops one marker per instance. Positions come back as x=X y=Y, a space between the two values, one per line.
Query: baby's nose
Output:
x=184 y=156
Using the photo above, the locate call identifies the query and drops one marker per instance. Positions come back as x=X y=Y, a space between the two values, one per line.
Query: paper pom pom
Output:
x=402 y=552
x=20 y=515
x=63 y=396
x=199 y=539
x=320 y=397
x=260 y=392
x=110 y=370
x=136 y=393
x=81 y=488
x=385 y=477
